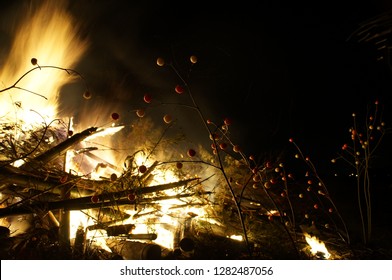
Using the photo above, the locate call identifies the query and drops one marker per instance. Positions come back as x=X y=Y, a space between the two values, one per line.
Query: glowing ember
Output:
x=236 y=237
x=317 y=247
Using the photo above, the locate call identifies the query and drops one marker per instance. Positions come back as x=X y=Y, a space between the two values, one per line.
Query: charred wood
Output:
x=133 y=250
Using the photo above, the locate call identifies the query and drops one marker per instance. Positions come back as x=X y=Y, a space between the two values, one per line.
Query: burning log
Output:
x=183 y=238
x=104 y=225
x=120 y=230
x=187 y=245
x=107 y=199
x=24 y=180
x=9 y=177
x=133 y=250
x=147 y=236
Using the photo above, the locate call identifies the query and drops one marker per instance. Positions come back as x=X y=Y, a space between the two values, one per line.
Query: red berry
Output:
x=94 y=199
x=70 y=132
x=214 y=136
x=147 y=98
x=115 y=116
x=160 y=61
x=237 y=148
x=142 y=169
x=167 y=118
x=63 y=179
x=113 y=177
x=179 y=89
x=179 y=165
x=193 y=59
x=223 y=146
x=191 y=152
x=140 y=113
x=228 y=121
x=87 y=94
x=315 y=206
x=273 y=181
x=131 y=197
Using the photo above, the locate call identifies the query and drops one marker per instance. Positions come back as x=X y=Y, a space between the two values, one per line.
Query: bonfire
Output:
x=75 y=188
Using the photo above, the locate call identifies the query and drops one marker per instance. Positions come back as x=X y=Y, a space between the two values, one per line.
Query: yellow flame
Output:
x=49 y=34
x=97 y=164
x=236 y=237
x=317 y=246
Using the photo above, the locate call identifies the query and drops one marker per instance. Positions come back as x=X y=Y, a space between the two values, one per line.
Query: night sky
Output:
x=277 y=70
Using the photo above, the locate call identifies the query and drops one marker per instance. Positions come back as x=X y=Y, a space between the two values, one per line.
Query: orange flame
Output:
x=49 y=34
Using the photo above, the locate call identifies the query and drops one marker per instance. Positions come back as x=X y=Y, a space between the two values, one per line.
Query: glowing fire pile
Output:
x=49 y=167
x=151 y=204
x=146 y=202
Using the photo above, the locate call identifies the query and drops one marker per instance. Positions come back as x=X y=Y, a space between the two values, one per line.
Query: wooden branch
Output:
x=58 y=150
x=11 y=178
x=132 y=250
x=24 y=180
x=104 y=200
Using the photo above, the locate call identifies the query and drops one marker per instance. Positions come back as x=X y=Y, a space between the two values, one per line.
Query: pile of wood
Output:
x=41 y=193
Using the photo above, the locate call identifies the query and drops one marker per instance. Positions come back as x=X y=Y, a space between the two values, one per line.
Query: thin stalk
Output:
x=237 y=204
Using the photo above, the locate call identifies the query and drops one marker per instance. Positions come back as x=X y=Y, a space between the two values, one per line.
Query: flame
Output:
x=317 y=246
x=90 y=160
x=49 y=34
x=236 y=237
x=169 y=216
